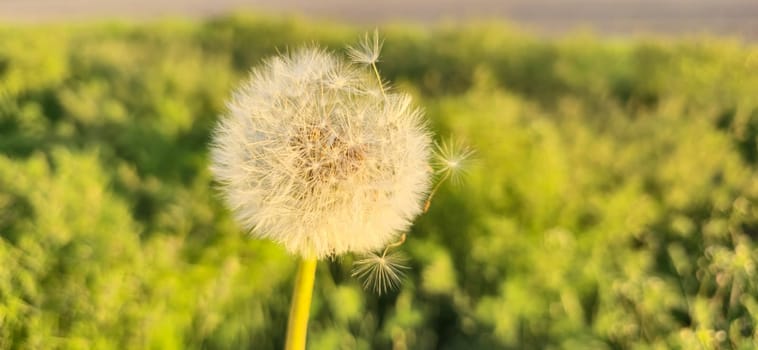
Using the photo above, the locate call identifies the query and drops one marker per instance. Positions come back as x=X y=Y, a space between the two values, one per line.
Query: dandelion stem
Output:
x=393 y=245
x=379 y=78
x=297 y=327
x=434 y=190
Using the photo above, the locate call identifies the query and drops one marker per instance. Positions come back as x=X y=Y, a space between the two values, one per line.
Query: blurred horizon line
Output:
x=735 y=18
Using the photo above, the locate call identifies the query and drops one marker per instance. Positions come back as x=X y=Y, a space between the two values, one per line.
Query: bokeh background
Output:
x=612 y=204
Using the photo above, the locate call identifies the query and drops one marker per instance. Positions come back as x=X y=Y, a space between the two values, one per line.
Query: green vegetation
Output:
x=613 y=204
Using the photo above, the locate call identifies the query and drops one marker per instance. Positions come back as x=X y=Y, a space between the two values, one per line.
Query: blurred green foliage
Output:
x=613 y=204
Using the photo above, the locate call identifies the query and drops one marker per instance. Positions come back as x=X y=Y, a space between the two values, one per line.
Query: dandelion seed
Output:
x=451 y=157
x=368 y=49
x=381 y=272
x=310 y=155
x=367 y=52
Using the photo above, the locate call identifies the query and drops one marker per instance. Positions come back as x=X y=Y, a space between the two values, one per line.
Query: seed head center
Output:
x=324 y=156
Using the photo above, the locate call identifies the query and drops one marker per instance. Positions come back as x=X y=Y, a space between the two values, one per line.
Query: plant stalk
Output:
x=297 y=326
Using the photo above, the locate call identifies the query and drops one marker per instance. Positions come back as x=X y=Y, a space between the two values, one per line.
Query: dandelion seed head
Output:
x=381 y=273
x=311 y=155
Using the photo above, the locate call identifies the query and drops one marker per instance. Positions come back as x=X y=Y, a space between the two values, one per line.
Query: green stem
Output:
x=297 y=327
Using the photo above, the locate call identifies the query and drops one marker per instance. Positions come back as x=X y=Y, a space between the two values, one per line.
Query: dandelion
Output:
x=308 y=156
x=313 y=155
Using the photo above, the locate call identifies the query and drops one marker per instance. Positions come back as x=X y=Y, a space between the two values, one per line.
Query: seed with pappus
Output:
x=316 y=155
x=381 y=272
x=451 y=158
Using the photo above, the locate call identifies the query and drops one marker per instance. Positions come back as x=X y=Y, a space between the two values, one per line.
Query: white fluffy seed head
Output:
x=312 y=155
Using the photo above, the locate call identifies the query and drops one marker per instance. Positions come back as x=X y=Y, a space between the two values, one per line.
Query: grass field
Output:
x=612 y=204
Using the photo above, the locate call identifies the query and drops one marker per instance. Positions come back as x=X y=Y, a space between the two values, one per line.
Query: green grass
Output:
x=612 y=204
